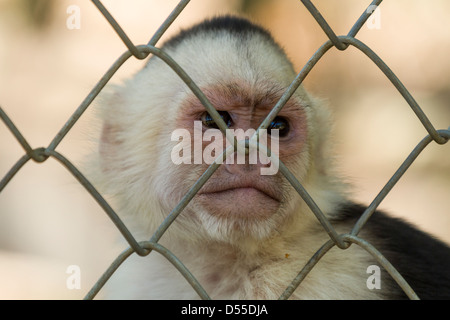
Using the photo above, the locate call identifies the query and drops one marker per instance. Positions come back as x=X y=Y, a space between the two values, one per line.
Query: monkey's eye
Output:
x=208 y=121
x=281 y=124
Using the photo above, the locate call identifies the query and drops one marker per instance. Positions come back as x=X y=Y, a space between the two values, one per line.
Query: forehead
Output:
x=209 y=58
x=248 y=72
x=246 y=97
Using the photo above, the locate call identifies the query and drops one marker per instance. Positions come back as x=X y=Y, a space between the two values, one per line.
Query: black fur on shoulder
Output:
x=421 y=259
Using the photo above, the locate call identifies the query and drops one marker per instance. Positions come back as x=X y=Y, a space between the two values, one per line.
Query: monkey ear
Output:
x=110 y=141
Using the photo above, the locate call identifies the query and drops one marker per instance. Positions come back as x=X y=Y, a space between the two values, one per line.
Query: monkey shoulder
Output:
x=423 y=260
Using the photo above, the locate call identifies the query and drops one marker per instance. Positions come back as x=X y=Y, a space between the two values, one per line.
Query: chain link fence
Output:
x=342 y=241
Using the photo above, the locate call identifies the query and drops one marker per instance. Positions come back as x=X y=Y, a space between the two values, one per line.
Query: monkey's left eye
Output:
x=280 y=124
x=208 y=121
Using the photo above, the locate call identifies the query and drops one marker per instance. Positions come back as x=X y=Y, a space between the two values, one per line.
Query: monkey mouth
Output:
x=243 y=201
x=241 y=189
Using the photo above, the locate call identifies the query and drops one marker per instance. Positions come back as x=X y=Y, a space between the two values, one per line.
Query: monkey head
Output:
x=243 y=72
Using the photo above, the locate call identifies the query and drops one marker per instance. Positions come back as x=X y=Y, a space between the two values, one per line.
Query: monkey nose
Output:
x=245 y=157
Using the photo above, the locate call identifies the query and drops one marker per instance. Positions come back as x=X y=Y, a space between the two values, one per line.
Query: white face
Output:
x=238 y=199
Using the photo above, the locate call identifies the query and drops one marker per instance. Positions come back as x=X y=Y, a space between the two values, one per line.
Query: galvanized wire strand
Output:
x=16 y=133
x=184 y=201
x=363 y=18
x=398 y=84
x=100 y=200
x=134 y=51
x=384 y=263
x=12 y=172
x=170 y=19
x=145 y=49
x=295 y=84
x=112 y=70
x=158 y=34
x=313 y=206
x=445 y=134
x=398 y=278
x=306 y=269
x=42 y=154
x=100 y=283
x=190 y=83
x=341 y=41
x=150 y=246
x=85 y=183
x=34 y=154
x=88 y=100
x=334 y=41
x=329 y=31
x=324 y=25
x=141 y=54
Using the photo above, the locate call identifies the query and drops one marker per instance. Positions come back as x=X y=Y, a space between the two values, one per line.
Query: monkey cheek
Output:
x=239 y=204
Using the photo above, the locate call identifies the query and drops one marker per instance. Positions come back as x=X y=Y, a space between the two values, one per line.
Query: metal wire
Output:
x=342 y=241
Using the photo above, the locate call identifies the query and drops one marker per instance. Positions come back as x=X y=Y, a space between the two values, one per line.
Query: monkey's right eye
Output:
x=208 y=121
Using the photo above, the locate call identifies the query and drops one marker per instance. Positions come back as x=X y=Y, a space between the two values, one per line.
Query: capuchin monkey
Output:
x=244 y=235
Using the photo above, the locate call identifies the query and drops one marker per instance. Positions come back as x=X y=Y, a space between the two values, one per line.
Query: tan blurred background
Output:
x=48 y=222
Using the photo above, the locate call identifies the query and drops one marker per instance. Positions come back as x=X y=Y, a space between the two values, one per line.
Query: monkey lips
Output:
x=241 y=198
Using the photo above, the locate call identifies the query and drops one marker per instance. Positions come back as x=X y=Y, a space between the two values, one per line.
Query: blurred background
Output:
x=50 y=60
